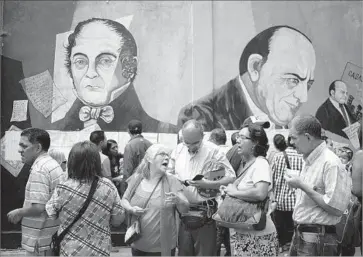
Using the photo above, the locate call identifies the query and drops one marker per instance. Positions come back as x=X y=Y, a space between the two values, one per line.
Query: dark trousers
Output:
x=136 y=252
x=284 y=226
x=309 y=243
x=223 y=238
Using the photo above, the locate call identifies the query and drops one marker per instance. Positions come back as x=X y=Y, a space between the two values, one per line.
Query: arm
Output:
x=117 y=212
x=357 y=169
x=252 y=194
x=128 y=164
x=106 y=167
x=183 y=203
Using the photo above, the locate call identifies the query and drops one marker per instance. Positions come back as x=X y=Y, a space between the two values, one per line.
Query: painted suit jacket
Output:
x=126 y=107
x=225 y=108
x=331 y=119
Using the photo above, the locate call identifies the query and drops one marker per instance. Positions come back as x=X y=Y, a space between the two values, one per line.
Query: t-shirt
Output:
x=257 y=172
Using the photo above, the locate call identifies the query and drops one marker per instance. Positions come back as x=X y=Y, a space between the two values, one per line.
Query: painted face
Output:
x=299 y=141
x=286 y=77
x=95 y=65
x=114 y=149
x=340 y=94
x=245 y=143
x=28 y=151
x=193 y=139
x=161 y=161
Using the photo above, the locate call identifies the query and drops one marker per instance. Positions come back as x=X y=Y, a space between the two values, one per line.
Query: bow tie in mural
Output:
x=106 y=113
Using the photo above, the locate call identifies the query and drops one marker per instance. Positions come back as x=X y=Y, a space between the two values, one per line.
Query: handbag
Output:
x=133 y=233
x=239 y=214
x=57 y=239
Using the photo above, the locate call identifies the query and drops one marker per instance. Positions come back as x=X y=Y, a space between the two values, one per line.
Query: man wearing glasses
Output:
x=189 y=159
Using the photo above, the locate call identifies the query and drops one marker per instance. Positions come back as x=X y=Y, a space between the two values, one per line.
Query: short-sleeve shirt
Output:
x=259 y=171
x=90 y=235
x=188 y=165
x=45 y=175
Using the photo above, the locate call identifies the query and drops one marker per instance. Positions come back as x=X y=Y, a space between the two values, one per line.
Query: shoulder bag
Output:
x=133 y=233
x=57 y=239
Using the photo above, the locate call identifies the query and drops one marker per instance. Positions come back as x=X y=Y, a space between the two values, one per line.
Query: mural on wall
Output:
x=101 y=59
x=276 y=71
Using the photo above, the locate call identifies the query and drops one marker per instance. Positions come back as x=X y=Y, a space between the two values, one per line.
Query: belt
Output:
x=315 y=228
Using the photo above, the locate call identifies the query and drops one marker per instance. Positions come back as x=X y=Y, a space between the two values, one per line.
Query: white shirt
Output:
x=187 y=165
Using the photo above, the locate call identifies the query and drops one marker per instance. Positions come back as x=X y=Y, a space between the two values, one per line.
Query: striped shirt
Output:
x=324 y=170
x=285 y=195
x=90 y=235
x=44 y=176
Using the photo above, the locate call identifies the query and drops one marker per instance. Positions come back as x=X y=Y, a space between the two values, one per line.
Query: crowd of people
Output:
x=302 y=190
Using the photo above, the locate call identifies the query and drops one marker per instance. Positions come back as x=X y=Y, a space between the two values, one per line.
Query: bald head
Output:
x=192 y=134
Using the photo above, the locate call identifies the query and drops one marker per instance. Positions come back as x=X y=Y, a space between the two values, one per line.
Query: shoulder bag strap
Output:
x=287 y=160
x=152 y=193
x=83 y=209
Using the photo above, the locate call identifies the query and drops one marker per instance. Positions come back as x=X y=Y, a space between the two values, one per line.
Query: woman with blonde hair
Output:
x=59 y=157
x=90 y=235
x=152 y=197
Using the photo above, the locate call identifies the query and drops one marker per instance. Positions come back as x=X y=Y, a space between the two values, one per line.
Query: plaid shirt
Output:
x=284 y=195
x=90 y=235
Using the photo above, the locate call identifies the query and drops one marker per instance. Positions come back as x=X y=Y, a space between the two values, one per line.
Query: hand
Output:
x=203 y=183
x=118 y=178
x=15 y=216
x=222 y=189
x=293 y=181
x=230 y=189
x=171 y=198
x=136 y=210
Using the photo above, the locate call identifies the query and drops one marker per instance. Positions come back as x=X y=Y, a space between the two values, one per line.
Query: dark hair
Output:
x=348 y=151
x=258 y=136
x=260 y=44
x=280 y=142
x=128 y=46
x=97 y=136
x=333 y=84
x=135 y=127
x=234 y=138
x=307 y=124
x=114 y=160
x=84 y=162
x=218 y=136
x=36 y=135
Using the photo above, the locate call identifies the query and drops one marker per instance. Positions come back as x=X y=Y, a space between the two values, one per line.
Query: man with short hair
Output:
x=334 y=115
x=45 y=175
x=135 y=149
x=284 y=196
x=218 y=136
x=190 y=158
x=323 y=191
x=98 y=137
x=276 y=70
x=101 y=59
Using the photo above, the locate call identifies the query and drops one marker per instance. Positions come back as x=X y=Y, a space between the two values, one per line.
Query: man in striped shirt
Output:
x=45 y=174
x=284 y=195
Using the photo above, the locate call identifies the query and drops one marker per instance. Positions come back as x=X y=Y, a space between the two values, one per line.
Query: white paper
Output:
x=123 y=139
x=152 y=137
x=14 y=167
x=39 y=89
x=352 y=133
x=20 y=110
x=12 y=139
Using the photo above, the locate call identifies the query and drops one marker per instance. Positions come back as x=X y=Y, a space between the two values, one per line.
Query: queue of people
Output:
x=169 y=198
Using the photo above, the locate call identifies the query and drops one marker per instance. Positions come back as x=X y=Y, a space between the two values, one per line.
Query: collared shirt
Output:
x=188 y=165
x=91 y=236
x=336 y=105
x=324 y=170
x=134 y=152
x=45 y=175
x=285 y=195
